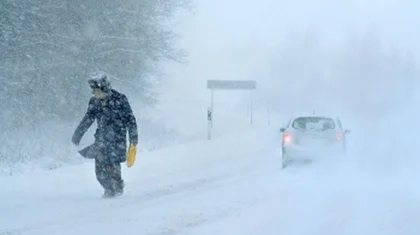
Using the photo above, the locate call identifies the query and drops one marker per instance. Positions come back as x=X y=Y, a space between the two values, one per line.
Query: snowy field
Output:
x=357 y=59
x=231 y=185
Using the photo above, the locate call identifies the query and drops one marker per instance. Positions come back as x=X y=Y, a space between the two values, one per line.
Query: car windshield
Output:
x=313 y=123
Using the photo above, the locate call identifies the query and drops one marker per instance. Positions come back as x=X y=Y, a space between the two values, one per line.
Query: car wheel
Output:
x=343 y=151
x=284 y=160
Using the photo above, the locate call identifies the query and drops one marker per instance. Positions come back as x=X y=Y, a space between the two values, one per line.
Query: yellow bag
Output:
x=131 y=155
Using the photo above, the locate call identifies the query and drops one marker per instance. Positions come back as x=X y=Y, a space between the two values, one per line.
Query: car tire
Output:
x=343 y=151
x=285 y=160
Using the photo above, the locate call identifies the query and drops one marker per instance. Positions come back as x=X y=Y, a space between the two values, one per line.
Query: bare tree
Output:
x=49 y=47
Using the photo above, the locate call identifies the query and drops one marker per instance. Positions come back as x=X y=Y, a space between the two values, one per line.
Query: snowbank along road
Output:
x=232 y=185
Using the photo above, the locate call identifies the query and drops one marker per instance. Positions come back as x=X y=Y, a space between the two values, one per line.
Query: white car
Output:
x=306 y=137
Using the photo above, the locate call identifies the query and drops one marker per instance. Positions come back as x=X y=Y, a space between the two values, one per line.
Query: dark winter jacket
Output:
x=114 y=118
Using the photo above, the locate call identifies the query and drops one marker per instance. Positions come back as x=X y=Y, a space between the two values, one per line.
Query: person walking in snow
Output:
x=114 y=117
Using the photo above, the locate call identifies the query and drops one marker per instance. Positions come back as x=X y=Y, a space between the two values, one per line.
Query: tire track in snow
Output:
x=158 y=196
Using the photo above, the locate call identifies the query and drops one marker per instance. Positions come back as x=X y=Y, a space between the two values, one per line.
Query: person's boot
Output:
x=120 y=190
x=108 y=193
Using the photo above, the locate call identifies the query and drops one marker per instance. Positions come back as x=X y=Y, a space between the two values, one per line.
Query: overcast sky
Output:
x=218 y=23
x=232 y=39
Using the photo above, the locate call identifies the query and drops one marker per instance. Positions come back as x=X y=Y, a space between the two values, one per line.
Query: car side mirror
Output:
x=347 y=131
x=282 y=129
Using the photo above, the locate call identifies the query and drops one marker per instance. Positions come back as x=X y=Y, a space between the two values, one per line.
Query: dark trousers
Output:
x=109 y=176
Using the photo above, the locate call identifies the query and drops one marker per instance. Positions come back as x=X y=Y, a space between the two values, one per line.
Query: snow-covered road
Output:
x=232 y=185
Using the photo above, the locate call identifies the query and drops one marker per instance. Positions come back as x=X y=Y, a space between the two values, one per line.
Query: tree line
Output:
x=49 y=47
x=362 y=75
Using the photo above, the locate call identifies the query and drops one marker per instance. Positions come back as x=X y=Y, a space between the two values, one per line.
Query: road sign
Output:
x=227 y=85
x=231 y=84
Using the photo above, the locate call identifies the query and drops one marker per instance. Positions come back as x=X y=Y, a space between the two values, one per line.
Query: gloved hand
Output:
x=75 y=139
x=131 y=155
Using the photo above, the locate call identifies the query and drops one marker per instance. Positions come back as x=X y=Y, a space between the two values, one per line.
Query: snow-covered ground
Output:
x=231 y=185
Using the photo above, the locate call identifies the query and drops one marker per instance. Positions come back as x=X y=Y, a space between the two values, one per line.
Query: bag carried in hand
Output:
x=131 y=155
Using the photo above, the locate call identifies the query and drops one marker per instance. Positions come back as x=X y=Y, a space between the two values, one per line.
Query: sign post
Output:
x=251 y=106
x=209 y=123
x=213 y=85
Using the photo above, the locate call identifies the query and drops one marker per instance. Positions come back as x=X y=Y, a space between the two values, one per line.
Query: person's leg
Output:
x=116 y=178
x=102 y=170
